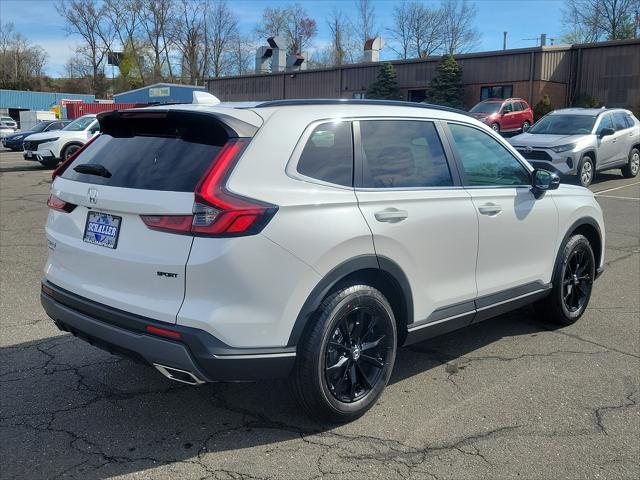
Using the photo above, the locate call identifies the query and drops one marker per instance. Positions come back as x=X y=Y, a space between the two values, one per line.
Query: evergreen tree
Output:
x=385 y=86
x=446 y=87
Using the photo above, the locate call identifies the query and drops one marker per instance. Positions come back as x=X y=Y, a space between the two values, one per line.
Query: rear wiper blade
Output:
x=93 y=169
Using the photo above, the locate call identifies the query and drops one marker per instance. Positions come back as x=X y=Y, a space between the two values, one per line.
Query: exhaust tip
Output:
x=177 y=375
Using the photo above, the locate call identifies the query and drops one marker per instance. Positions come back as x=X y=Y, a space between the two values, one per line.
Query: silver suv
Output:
x=583 y=141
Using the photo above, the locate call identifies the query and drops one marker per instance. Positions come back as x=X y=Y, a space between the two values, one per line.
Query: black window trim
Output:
x=359 y=160
x=460 y=167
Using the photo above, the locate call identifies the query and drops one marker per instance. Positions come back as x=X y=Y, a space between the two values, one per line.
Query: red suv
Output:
x=509 y=115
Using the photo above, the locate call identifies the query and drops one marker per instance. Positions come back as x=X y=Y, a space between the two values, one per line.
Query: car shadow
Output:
x=71 y=410
x=23 y=168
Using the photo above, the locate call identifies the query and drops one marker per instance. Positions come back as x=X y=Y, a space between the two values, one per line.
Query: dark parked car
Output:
x=14 y=142
x=509 y=115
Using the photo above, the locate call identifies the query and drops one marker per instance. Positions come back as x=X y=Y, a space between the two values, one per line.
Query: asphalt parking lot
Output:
x=509 y=398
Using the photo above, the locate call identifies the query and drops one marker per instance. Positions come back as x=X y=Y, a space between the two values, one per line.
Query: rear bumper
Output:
x=197 y=351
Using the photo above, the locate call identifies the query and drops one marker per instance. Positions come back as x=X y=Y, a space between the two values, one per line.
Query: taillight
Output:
x=65 y=164
x=163 y=331
x=216 y=211
x=59 y=204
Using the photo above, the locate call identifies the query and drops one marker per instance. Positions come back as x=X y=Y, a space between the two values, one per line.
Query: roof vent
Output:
x=205 y=98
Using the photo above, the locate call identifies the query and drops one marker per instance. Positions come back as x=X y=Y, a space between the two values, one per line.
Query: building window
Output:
x=358 y=95
x=496 y=91
x=417 y=95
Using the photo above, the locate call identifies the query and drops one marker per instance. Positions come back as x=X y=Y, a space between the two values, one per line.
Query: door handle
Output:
x=391 y=215
x=490 y=209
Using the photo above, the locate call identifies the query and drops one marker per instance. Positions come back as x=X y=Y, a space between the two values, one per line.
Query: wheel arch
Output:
x=379 y=272
x=588 y=227
x=591 y=154
x=67 y=145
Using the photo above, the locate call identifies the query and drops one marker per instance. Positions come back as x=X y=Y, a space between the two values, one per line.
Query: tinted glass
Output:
x=605 y=122
x=485 y=161
x=564 y=125
x=630 y=122
x=328 y=154
x=517 y=107
x=403 y=153
x=79 y=124
x=619 y=120
x=508 y=108
x=41 y=127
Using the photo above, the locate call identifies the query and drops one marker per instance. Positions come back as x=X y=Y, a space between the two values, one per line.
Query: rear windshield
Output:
x=165 y=153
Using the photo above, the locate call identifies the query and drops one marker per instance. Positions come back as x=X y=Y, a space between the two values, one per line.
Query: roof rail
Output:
x=356 y=101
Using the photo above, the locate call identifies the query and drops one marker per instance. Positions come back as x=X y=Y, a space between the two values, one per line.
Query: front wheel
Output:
x=525 y=126
x=70 y=150
x=630 y=170
x=346 y=355
x=495 y=127
x=572 y=283
x=586 y=171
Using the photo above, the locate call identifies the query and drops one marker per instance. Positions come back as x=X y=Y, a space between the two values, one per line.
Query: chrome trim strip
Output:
x=254 y=356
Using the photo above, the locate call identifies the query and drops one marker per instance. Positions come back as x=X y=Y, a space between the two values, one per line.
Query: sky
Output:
x=524 y=20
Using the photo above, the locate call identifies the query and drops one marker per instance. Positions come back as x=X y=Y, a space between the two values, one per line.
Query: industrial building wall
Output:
x=24 y=100
x=610 y=71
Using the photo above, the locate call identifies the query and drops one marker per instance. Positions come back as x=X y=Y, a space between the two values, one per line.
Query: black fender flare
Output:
x=575 y=225
x=331 y=279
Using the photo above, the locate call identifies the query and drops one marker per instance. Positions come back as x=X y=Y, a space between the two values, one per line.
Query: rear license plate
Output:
x=102 y=229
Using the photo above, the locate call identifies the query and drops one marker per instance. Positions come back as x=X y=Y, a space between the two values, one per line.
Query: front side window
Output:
x=606 y=122
x=403 y=154
x=328 y=154
x=485 y=161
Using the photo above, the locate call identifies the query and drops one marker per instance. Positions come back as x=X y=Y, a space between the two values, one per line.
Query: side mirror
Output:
x=544 y=180
x=606 y=131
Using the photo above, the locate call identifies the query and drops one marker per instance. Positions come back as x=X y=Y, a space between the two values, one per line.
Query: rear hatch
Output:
x=143 y=168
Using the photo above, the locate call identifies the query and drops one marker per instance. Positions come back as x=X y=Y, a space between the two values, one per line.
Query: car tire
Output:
x=334 y=379
x=525 y=125
x=49 y=162
x=631 y=169
x=495 y=127
x=586 y=171
x=70 y=150
x=572 y=283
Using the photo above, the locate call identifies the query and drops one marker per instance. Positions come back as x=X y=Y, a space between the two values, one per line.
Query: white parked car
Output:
x=306 y=239
x=8 y=126
x=49 y=148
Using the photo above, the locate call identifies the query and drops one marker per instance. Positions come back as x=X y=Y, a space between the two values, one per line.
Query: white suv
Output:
x=49 y=148
x=306 y=239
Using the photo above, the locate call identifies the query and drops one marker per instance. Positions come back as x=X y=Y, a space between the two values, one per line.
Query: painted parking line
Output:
x=616 y=188
x=620 y=198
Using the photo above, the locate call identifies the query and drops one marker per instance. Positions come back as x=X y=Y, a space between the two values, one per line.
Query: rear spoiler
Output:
x=126 y=123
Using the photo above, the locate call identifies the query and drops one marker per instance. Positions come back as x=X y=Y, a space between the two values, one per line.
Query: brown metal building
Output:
x=609 y=71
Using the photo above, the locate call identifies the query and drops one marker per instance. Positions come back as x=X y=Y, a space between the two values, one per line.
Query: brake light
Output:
x=58 y=204
x=65 y=164
x=216 y=211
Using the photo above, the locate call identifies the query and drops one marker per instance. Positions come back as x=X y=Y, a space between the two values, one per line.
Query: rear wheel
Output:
x=631 y=169
x=586 y=171
x=346 y=356
x=572 y=283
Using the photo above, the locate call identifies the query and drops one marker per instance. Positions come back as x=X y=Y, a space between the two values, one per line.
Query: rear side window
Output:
x=619 y=120
x=328 y=154
x=164 y=153
x=524 y=106
x=517 y=106
x=403 y=153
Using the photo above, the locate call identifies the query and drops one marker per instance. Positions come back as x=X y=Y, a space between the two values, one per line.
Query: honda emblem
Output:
x=92 y=195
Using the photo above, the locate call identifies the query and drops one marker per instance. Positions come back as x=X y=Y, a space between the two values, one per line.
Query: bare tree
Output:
x=344 y=45
x=222 y=30
x=126 y=19
x=460 y=35
x=366 y=21
x=241 y=55
x=89 y=20
x=291 y=22
x=594 y=20
x=417 y=30
x=189 y=35
x=20 y=62
x=157 y=23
